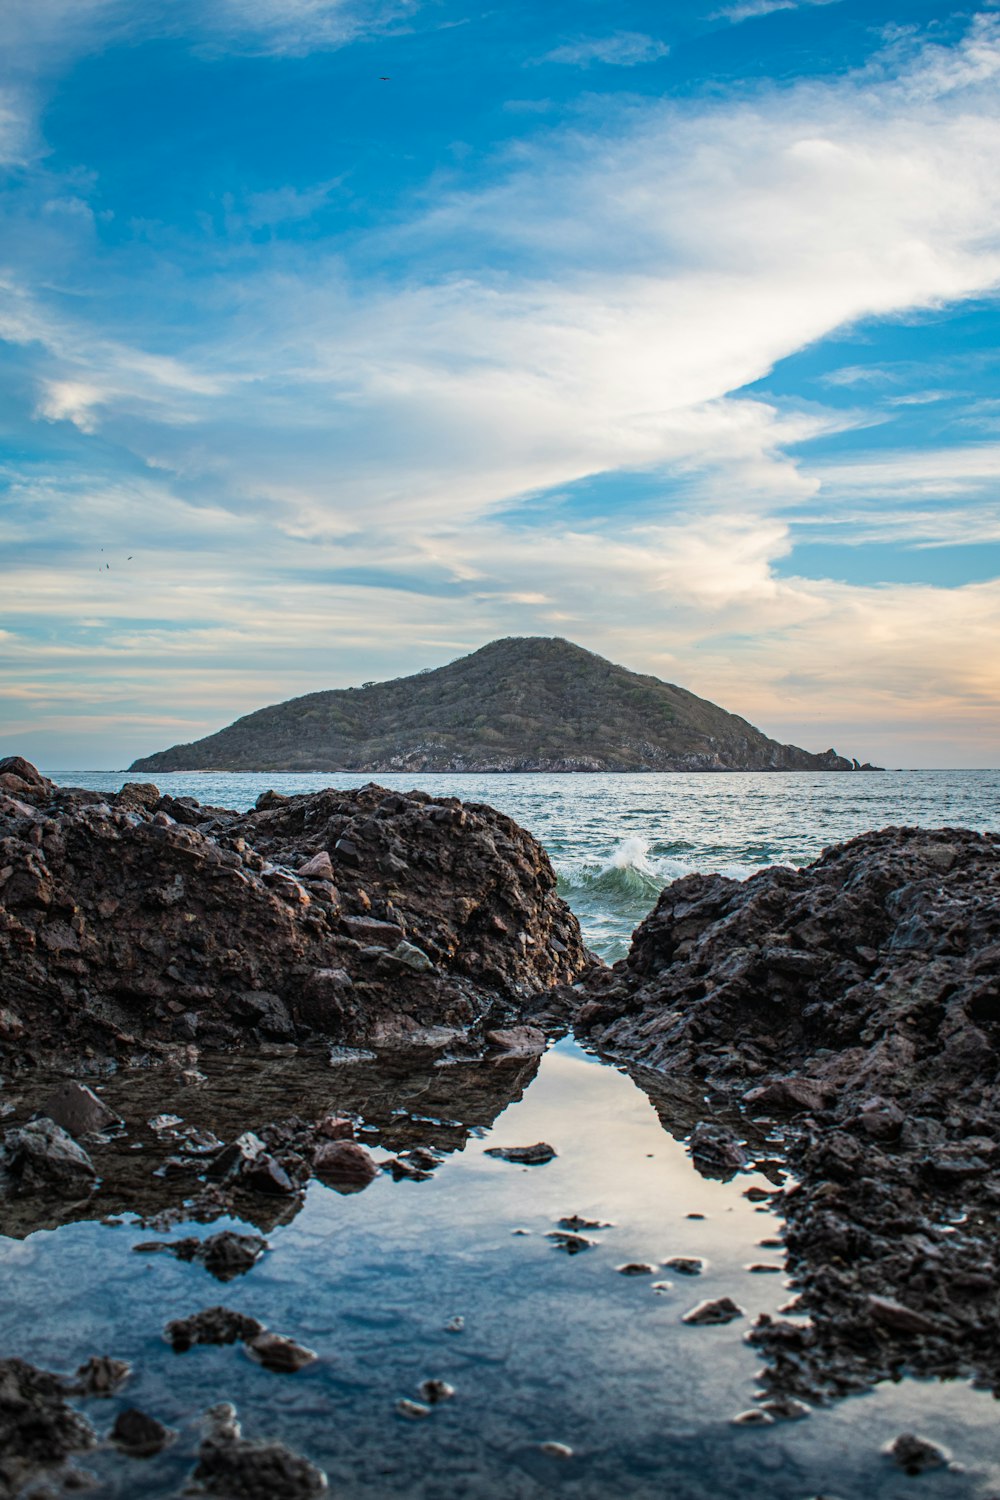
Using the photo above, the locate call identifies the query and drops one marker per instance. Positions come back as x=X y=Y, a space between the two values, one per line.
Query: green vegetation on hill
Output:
x=522 y=704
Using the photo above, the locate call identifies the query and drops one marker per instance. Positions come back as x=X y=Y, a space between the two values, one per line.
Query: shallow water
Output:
x=554 y=1348
x=616 y=841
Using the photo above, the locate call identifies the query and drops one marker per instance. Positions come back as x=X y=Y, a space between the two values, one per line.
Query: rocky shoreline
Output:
x=850 y=1013
x=834 y=1027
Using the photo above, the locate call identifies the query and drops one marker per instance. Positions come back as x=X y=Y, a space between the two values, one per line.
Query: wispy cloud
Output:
x=622 y=49
x=751 y=10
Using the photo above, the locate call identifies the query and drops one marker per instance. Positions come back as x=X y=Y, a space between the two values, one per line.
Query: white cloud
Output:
x=752 y=10
x=623 y=49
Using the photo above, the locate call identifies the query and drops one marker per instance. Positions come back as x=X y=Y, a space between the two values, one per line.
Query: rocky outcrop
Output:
x=132 y=922
x=856 y=1003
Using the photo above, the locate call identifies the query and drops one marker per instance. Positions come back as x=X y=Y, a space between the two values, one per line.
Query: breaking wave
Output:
x=612 y=896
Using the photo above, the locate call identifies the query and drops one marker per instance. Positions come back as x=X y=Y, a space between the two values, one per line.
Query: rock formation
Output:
x=856 y=1001
x=130 y=922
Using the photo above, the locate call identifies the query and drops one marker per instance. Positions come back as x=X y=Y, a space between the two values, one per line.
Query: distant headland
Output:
x=525 y=703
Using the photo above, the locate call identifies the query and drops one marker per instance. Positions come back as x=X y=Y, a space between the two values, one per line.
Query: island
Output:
x=531 y=703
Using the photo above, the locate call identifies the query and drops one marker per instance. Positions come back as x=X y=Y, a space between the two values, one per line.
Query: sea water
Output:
x=553 y=1348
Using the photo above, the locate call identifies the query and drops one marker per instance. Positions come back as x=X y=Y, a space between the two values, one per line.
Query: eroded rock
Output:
x=859 y=999
x=134 y=921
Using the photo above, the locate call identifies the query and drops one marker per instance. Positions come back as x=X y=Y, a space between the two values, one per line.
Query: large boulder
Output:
x=41 y=1157
x=130 y=922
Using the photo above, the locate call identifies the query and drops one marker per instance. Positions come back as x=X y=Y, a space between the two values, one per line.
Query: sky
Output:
x=341 y=337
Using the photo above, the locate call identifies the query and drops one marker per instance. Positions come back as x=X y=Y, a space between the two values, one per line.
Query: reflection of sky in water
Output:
x=617 y=840
x=554 y=1347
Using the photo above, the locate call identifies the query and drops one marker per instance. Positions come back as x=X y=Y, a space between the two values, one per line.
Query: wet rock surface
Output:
x=184 y=1150
x=243 y=1468
x=38 y=1428
x=853 y=1005
x=132 y=923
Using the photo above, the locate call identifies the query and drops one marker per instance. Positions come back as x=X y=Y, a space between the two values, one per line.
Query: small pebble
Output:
x=754 y=1417
x=280 y=1354
x=686 y=1265
x=916 y=1454
x=414 y=1411
x=771 y=1244
x=694 y=1216
x=572 y=1244
x=635 y=1268
x=662 y=1286
x=786 y=1409
x=455 y=1325
x=722 y=1310
x=575 y=1222
x=760 y=1268
x=434 y=1391
x=556 y=1450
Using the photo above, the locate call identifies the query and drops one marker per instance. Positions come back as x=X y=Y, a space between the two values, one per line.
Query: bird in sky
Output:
x=385 y=78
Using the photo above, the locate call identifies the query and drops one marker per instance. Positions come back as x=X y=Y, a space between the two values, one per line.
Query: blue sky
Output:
x=673 y=330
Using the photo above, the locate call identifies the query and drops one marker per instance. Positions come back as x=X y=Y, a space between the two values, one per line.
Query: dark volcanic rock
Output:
x=526 y=1156
x=344 y=1165
x=860 y=997
x=79 y=1111
x=101 y=1375
x=245 y=1469
x=225 y=1254
x=131 y=924
x=276 y=1352
x=37 y=1427
x=138 y=1434
x=214 y=1325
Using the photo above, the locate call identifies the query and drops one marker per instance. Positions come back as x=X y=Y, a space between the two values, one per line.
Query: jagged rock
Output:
x=102 y=1376
x=434 y=1391
x=715 y=1152
x=78 y=1110
x=40 y=1157
x=214 y=1325
x=860 y=996
x=519 y=1041
x=131 y=924
x=320 y=867
x=686 y=1265
x=789 y=1094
